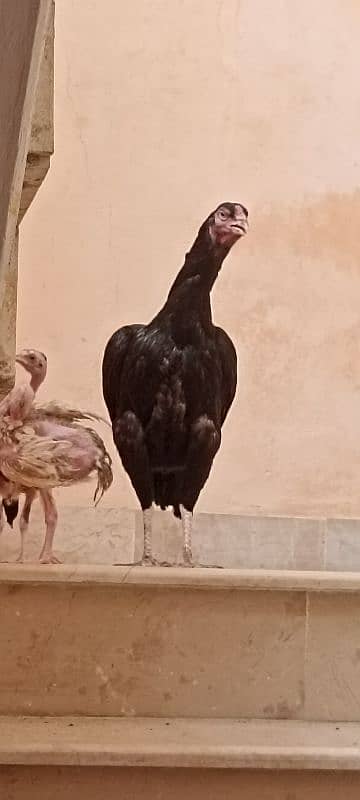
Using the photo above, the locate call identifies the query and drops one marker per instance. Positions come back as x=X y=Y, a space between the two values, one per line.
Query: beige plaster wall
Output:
x=162 y=111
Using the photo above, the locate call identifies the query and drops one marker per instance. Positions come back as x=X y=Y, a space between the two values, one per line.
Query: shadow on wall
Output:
x=326 y=229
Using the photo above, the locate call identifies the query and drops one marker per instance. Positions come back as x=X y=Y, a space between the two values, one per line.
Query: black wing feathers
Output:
x=228 y=359
x=115 y=354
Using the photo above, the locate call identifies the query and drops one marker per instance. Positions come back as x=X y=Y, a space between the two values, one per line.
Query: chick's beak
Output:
x=20 y=359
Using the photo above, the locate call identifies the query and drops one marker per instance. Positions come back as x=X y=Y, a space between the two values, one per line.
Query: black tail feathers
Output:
x=11 y=508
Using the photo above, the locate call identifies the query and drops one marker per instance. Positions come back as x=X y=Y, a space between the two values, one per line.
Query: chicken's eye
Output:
x=223 y=214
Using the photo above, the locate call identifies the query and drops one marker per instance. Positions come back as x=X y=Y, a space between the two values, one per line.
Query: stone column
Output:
x=26 y=143
x=8 y=303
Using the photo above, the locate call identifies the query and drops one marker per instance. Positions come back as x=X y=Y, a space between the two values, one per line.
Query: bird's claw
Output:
x=49 y=558
x=144 y=562
x=152 y=562
x=190 y=564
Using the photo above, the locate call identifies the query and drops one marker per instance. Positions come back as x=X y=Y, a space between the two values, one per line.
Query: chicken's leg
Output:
x=130 y=441
x=24 y=521
x=205 y=441
x=47 y=556
x=187 y=523
x=147 y=559
x=187 y=526
x=1 y=521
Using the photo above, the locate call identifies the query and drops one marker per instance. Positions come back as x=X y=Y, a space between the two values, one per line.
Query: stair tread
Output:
x=204 y=743
x=176 y=577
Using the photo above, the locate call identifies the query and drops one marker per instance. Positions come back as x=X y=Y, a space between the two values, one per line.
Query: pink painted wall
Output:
x=162 y=111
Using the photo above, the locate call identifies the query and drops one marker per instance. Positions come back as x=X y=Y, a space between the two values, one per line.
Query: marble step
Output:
x=148 y=758
x=177 y=642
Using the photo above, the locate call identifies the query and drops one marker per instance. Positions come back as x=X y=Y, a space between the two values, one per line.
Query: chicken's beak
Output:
x=241 y=227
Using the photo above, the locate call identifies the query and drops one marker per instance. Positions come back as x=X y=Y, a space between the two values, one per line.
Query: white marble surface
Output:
x=241 y=542
x=106 y=535
x=84 y=536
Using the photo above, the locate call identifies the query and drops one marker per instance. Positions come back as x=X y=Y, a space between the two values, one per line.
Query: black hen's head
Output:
x=11 y=508
x=227 y=224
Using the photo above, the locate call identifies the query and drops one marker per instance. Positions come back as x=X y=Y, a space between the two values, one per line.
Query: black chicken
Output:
x=168 y=385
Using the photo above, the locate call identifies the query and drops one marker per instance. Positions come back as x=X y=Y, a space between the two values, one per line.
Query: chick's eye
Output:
x=223 y=214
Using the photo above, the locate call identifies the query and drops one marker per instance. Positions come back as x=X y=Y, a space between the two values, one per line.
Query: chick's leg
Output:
x=24 y=521
x=47 y=556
